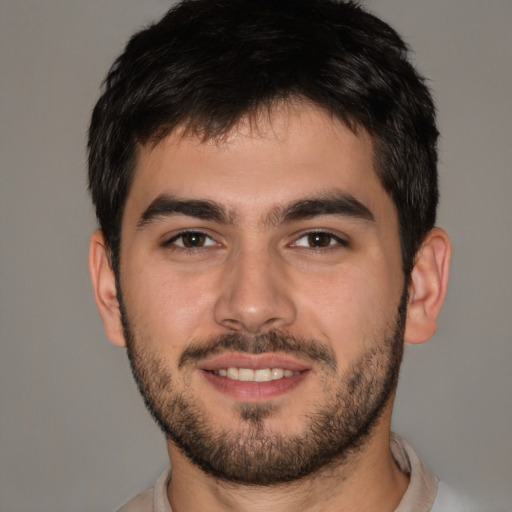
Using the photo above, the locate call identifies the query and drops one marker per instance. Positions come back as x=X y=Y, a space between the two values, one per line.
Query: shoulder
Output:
x=143 y=502
x=425 y=492
x=151 y=500
x=449 y=500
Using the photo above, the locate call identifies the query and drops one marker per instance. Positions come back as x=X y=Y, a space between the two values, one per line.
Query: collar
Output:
x=419 y=497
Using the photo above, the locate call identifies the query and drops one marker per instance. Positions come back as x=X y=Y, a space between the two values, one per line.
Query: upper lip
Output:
x=253 y=361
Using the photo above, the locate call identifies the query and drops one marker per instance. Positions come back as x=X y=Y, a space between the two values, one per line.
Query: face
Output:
x=262 y=295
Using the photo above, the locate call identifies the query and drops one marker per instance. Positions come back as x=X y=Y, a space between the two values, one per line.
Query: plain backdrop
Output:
x=74 y=435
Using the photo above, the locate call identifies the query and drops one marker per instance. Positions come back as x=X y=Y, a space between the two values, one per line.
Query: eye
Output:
x=319 y=240
x=191 y=240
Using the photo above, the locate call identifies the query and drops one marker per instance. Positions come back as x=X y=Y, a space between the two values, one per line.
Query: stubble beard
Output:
x=333 y=432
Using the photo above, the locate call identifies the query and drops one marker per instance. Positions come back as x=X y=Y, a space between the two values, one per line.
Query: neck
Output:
x=368 y=480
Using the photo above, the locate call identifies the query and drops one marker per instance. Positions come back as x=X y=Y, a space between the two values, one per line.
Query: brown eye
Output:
x=191 y=240
x=320 y=240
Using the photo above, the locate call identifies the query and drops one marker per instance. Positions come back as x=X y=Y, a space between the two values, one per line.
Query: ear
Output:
x=427 y=288
x=105 y=291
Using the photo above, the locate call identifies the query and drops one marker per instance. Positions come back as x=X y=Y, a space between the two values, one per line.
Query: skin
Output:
x=257 y=273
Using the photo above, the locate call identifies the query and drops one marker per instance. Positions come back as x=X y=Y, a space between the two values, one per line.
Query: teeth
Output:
x=277 y=373
x=232 y=373
x=259 y=375
x=263 y=375
x=245 y=374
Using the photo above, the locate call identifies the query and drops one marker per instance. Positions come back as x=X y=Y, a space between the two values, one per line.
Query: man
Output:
x=264 y=175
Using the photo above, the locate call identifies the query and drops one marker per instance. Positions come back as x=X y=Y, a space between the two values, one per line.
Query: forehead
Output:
x=292 y=152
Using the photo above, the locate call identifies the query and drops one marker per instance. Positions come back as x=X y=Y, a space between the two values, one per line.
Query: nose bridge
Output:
x=253 y=295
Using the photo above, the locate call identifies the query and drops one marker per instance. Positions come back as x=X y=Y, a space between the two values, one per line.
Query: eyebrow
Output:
x=333 y=203
x=167 y=206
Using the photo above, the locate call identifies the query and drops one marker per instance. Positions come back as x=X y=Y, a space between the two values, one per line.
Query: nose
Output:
x=255 y=294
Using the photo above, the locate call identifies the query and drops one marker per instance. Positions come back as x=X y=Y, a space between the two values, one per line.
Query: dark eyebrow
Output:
x=165 y=206
x=337 y=203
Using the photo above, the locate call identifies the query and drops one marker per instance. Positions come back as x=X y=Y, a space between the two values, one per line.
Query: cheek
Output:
x=350 y=309
x=169 y=308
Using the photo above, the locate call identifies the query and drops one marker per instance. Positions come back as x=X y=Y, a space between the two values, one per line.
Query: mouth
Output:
x=254 y=377
x=258 y=375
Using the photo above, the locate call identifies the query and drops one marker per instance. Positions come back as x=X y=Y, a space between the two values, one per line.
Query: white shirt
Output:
x=424 y=494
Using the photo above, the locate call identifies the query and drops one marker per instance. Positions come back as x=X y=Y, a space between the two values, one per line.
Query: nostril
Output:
x=252 y=327
x=232 y=324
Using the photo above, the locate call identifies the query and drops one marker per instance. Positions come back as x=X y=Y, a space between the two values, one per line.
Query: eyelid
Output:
x=169 y=242
x=341 y=240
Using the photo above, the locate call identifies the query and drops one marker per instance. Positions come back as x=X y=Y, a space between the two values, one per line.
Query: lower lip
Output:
x=255 y=391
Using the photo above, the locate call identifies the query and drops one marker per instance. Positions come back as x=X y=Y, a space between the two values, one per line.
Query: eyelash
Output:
x=171 y=242
x=210 y=242
x=338 y=241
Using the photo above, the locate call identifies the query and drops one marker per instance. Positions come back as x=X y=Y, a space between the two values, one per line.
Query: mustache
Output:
x=271 y=341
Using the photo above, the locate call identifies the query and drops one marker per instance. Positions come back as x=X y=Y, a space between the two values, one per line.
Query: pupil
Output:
x=319 y=239
x=193 y=239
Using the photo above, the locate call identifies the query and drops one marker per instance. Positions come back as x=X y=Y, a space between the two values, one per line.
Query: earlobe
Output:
x=105 y=290
x=427 y=288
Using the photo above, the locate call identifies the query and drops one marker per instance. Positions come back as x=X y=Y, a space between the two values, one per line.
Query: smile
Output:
x=254 y=377
x=257 y=375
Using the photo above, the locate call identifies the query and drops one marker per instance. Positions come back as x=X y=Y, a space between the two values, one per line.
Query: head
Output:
x=243 y=60
x=264 y=175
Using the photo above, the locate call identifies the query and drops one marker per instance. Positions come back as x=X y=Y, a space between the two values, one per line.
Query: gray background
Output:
x=74 y=435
